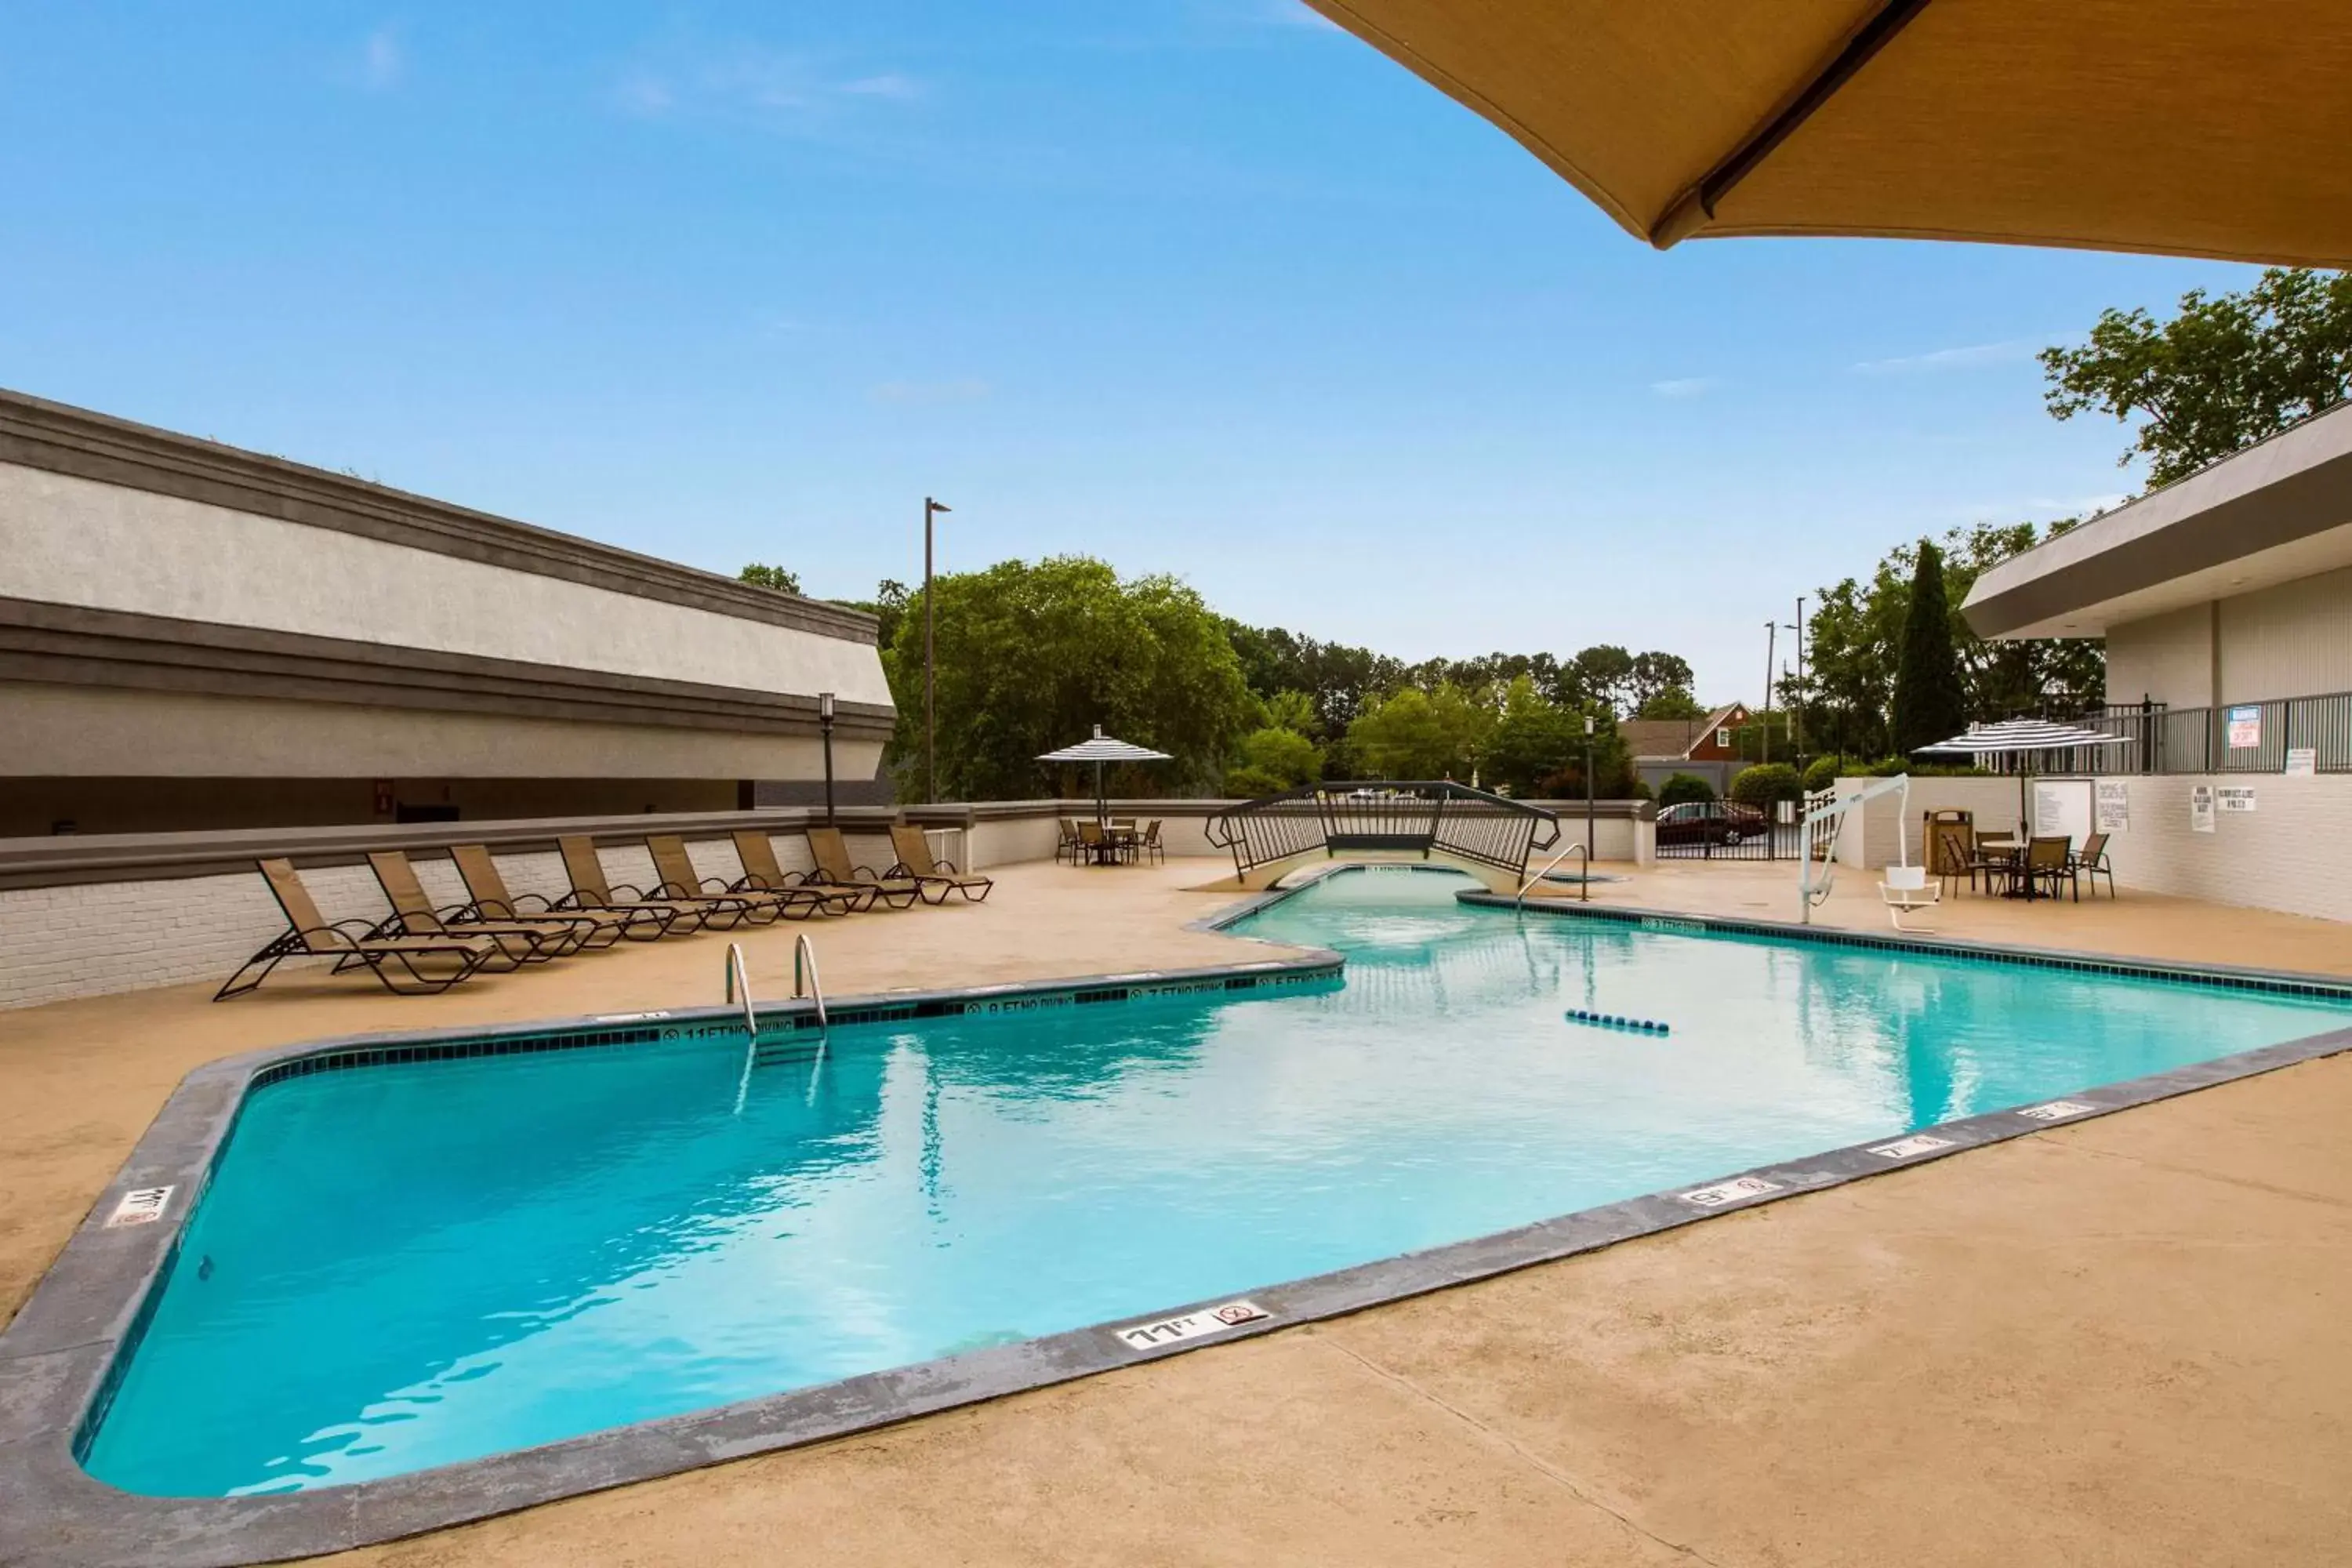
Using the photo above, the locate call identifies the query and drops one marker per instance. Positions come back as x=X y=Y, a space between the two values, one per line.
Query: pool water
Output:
x=401 y=1267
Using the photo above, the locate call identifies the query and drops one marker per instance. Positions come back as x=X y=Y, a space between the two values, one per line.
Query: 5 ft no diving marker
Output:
x=1617 y=1021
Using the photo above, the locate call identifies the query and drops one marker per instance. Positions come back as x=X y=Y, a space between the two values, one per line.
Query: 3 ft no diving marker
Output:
x=1617 y=1021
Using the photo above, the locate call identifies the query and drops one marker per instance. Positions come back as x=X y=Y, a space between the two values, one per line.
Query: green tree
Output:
x=1533 y=739
x=1930 y=702
x=1656 y=676
x=1271 y=759
x=1417 y=734
x=1601 y=676
x=1766 y=782
x=1680 y=788
x=2218 y=377
x=1675 y=702
x=1031 y=657
x=1292 y=710
x=775 y=577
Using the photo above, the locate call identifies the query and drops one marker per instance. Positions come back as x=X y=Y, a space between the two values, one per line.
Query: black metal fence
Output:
x=2237 y=738
x=1415 y=817
x=1725 y=830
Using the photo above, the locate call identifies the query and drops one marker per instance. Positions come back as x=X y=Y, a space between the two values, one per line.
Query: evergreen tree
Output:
x=1931 y=704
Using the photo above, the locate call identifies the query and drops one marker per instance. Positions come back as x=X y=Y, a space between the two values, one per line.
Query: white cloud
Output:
x=890 y=84
x=753 y=82
x=964 y=390
x=2014 y=351
x=1686 y=386
x=385 y=61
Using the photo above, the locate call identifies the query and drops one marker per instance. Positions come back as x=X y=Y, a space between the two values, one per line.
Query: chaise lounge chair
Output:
x=520 y=941
x=763 y=873
x=835 y=873
x=430 y=963
x=679 y=879
x=913 y=848
x=590 y=891
x=488 y=886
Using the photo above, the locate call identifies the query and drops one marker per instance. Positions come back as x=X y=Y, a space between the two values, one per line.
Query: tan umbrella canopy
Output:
x=2189 y=127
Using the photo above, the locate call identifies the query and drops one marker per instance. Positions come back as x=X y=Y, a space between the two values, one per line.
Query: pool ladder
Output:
x=1583 y=886
x=805 y=982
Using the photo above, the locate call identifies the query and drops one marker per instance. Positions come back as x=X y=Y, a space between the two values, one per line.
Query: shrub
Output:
x=1823 y=772
x=1766 y=782
x=1681 y=787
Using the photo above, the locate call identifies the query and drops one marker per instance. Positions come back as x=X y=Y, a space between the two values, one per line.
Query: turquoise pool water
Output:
x=401 y=1267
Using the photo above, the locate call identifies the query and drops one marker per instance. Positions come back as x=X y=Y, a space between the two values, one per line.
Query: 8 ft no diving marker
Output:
x=1617 y=1021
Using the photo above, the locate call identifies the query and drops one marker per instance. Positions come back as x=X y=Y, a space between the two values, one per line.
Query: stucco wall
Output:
x=68 y=731
x=71 y=540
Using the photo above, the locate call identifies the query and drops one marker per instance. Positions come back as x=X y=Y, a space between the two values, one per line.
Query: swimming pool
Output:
x=411 y=1264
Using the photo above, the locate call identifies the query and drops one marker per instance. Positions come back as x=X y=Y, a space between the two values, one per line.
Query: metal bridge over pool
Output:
x=1382 y=820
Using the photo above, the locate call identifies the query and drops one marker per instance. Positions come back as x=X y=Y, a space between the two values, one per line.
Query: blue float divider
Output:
x=1617 y=1021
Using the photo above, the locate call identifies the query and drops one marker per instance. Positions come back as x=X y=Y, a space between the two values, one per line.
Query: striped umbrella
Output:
x=1100 y=749
x=2020 y=738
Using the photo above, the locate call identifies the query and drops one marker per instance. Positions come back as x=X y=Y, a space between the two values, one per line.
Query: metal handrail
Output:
x=804 y=960
x=1488 y=829
x=1583 y=886
x=738 y=987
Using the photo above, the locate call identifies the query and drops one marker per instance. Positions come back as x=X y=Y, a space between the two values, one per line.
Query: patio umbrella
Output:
x=2185 y=127
x=2021 y=738
x=1100 y=749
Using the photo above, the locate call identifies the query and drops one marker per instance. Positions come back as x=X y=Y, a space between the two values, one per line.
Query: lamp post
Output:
x=930 y=618
x=1588 y=796
x=1764 y=745
x=825 y=723
x=1796 y=710
x=1794 y=755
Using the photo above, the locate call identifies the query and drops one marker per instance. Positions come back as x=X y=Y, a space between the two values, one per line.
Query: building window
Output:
x=1723 y=738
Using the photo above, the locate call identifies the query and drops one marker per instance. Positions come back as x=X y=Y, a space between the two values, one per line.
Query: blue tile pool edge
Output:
x=57 y=1358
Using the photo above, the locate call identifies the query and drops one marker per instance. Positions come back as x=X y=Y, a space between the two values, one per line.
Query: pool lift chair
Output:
x=1904 y=888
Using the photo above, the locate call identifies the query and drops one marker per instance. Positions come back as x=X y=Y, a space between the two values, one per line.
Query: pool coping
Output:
x=59 y=1357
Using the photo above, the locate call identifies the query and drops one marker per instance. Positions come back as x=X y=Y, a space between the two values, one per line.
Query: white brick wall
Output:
x=96 y=938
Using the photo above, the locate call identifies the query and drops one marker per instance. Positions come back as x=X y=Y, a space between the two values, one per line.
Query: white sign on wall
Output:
x=2200 y=808
x=2113 y=805
x=2061 y=808
x=2303 y=760
x=2245 y=729
x=2235 y=797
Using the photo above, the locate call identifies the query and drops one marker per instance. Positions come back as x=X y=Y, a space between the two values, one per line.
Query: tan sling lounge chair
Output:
x=520 y=941
x=914 y=851
x=591 y=890
x=426 y=964
x=763 y=873
x=676 y=869
x=487 y=888
x=834 y=870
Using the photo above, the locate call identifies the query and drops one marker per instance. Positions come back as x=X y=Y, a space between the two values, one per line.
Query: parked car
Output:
x=1725 y=822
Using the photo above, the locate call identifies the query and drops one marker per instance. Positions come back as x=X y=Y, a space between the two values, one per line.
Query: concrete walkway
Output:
x=2117 y=1342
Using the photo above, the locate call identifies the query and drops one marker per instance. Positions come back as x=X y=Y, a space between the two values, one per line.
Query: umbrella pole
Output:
x=1102 y=808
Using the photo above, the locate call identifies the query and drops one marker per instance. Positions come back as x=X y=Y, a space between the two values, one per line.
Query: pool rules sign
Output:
x=2200 y=808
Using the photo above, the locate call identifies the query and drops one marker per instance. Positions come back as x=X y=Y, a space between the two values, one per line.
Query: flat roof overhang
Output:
x=2271 y=514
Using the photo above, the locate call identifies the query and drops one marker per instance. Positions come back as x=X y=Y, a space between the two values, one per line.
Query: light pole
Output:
x=1797 y=713
x=825 y=723
x=1764 y=728
x=1793 y=755
x=930 y=618
x=1587 y=797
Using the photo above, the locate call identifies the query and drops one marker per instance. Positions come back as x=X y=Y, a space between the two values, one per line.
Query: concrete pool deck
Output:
x=2115 y=1341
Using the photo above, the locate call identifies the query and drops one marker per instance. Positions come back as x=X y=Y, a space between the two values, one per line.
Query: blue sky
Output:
x=1199 y=285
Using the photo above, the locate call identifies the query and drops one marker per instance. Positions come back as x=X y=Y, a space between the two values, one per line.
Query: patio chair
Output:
x=915 y=859
x=679 y=880
x=487 y=888
x=2050 y=861
x=762 y=873
x=520 y=941
x=1149 y=846
x=591 y=890
x=1093 y=843
x=835 y=873
x=2091 y=863
x=1905 y=891
x=429 y=964
x=1067 y=846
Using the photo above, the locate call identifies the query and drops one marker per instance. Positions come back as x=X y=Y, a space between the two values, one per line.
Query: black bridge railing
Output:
x=1490 y=829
